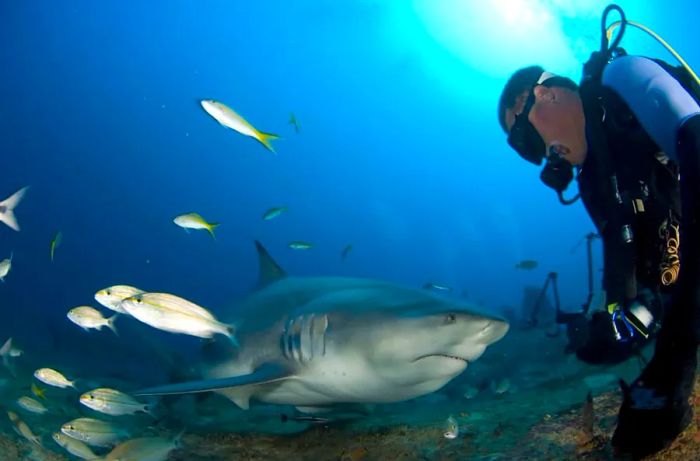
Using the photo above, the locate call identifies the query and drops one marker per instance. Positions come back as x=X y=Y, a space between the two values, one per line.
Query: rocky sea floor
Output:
x=551 y=422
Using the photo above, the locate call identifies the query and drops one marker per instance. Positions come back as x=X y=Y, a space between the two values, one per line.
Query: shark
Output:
x=319 y=342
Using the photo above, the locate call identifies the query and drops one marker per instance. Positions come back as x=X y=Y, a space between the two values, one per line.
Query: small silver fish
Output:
x=502 y=387
x=94 y=432
x=452 y=431
x=73 y=446
x=274 y=212
x=195 y=221
x=87 y=318
x=346 y=251
x=144 y=449
x=112 y=402
x=300 y=245
x=112 y=297
x=294 y=122
x=230 y=119
x=22 y=429
x=55 y=243
x=436 y=286
x=176 y=315
x=53 y=378
x=5 y=266
x=471 y=392
x=31 y=405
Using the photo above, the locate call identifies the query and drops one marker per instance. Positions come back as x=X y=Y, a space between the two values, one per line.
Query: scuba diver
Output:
x=631 y=130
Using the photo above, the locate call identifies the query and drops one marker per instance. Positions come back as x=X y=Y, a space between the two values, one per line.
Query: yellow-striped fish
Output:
x=56 y=242
x=230 y=119
x=195 y=221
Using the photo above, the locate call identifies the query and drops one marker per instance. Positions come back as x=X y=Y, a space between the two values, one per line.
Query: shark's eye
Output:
x=450 y=318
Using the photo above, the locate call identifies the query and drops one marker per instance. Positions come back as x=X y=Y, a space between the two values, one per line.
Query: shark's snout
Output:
x=493 y=330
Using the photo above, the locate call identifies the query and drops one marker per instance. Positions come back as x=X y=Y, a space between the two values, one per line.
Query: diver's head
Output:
x=542 y=113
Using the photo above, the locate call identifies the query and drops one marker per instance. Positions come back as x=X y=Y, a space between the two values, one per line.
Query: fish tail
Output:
x=8 y=217
x=5 y=349
x=265 y=139
x=110 y=324
x=231 y=333
x=211 y=227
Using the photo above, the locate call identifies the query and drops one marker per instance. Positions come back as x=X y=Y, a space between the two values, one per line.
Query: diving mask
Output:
x=523 y=137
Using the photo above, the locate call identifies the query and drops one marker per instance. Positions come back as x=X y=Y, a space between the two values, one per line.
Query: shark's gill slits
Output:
x=304 y=337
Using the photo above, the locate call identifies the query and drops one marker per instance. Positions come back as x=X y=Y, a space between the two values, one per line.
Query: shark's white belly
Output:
x=326 y=383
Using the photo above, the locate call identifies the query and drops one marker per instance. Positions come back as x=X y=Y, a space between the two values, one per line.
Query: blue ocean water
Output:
x=399 y=152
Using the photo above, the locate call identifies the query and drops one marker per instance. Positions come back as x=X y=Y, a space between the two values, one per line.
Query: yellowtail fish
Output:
x=5 y=266
x=452 y=431
x=144 y=449
x=22 y=429
x=195 y=221
x=56 y=242
x=230 y=119
x=87 y=318
x=274 y=212
x=53 y=378
x=31 y=405
x=112 y=402
x=436 y=286
x=526 y=264
x=7 y=208
x=73 y=446
x=176 y=315
x=94 y=432
x=346 y=251
x=299 y=245
x=39 y=392
x=294 y=122
x=112 y=297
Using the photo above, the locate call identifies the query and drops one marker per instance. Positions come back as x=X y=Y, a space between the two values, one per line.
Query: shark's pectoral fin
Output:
x=264 y=374
x=239 y=395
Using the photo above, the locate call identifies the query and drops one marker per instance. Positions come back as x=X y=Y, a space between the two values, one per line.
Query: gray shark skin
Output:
x=313 y=342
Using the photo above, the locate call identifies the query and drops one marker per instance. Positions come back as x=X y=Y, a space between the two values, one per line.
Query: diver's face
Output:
x=557 y=115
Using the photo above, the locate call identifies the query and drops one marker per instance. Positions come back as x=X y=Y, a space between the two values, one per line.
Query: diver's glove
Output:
x=655 y=408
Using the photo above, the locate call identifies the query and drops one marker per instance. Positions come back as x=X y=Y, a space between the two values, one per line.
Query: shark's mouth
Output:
x=454 y=357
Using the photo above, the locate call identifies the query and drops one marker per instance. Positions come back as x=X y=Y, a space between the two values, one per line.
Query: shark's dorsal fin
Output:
x=264 y=374
x=268 y=269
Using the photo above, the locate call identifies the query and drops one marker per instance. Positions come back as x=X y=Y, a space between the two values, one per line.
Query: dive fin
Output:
x=268 y=269
x=264 y=374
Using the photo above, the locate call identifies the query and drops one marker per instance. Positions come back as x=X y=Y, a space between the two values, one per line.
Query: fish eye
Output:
x=451 y=318
x=108 y=293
